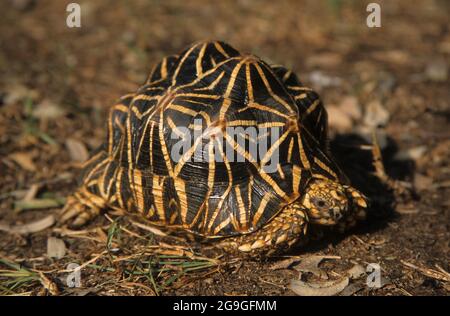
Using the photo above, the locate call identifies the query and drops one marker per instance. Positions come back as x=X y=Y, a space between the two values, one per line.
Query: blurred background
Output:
x=56 y=84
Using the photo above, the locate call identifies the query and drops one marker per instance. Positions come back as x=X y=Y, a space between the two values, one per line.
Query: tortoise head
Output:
x=327 y=201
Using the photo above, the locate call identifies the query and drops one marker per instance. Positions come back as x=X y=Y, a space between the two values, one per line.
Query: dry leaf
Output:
x=328 y=288
x=24 y=160
x=437 y=70
x=47 y=110
x=311 y=264
x=351 y=289
x=77 y=150
x=422 y=183
x=376 y=115
x=55 y=248
x=284 y=264
x=32 y=192
x=149 y=228
x=30 y=228
x=414 y=153
x=356 y=271
x=37 y=204
x=338 y=119
x=350 y=106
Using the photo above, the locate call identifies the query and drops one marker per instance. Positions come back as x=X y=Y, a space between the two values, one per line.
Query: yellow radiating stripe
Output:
x=129 y=143
x=186 y=156
x=213 y=62
x=154 y=88
x=182 y=109
x=163 y=143
x=296 y=177
x=255 y=123
x=213 y=84
x=222 y=225
x=280 y=171
x=240 y=150
x=175 y=129
x=300 y=96
x=111 y=182
x=251 y=97
x=242 y=123
x=101 y=181
x=198 y=62
x=143 y=137
x=92 y=183
x=158 y=196
x=324 y=167
x=150 y=149
x=291 y=145
x=110 y=132
x=181 y=192
x=119 y=125
x=242 y=212
x=125 y=96
x=249 y=193
x=286 y=75
x=272 y=148
x=163 y=71
x=313 y=106
x=118 y=187
x=149 y=78
x=234 y=222
x=261 y=208
x=264 y=108
x=303 y=156
x=137 y=188
x=197 y=102
x=223 y=109
x=186 y=55
x=173 y=217
x=221 y=50
x=226 y=102
x=272 y=183
x=194 y=82
x=121 y=108
x=212 y=164
x=199 y=95
x=269 y=88
x=145 y=97
x=297 y=88
x=98 y=166
x=90 y=160
x=271 y=124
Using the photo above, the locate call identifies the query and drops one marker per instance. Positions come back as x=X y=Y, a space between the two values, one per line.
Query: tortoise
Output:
x=212 y=99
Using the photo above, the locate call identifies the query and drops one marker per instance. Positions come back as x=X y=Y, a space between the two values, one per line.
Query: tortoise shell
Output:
x=196 y=99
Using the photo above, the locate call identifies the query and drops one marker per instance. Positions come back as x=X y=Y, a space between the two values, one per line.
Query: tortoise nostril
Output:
x=337 y=214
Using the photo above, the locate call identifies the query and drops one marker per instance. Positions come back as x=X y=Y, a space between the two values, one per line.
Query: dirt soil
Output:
x=56 y=84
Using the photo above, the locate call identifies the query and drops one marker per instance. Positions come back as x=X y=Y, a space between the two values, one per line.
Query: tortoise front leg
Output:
x=289 y=227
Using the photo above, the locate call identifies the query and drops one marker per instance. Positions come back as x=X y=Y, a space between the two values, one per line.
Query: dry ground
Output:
x=56 y=84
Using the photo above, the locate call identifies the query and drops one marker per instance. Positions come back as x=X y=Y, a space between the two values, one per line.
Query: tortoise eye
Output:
x=320 y=203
